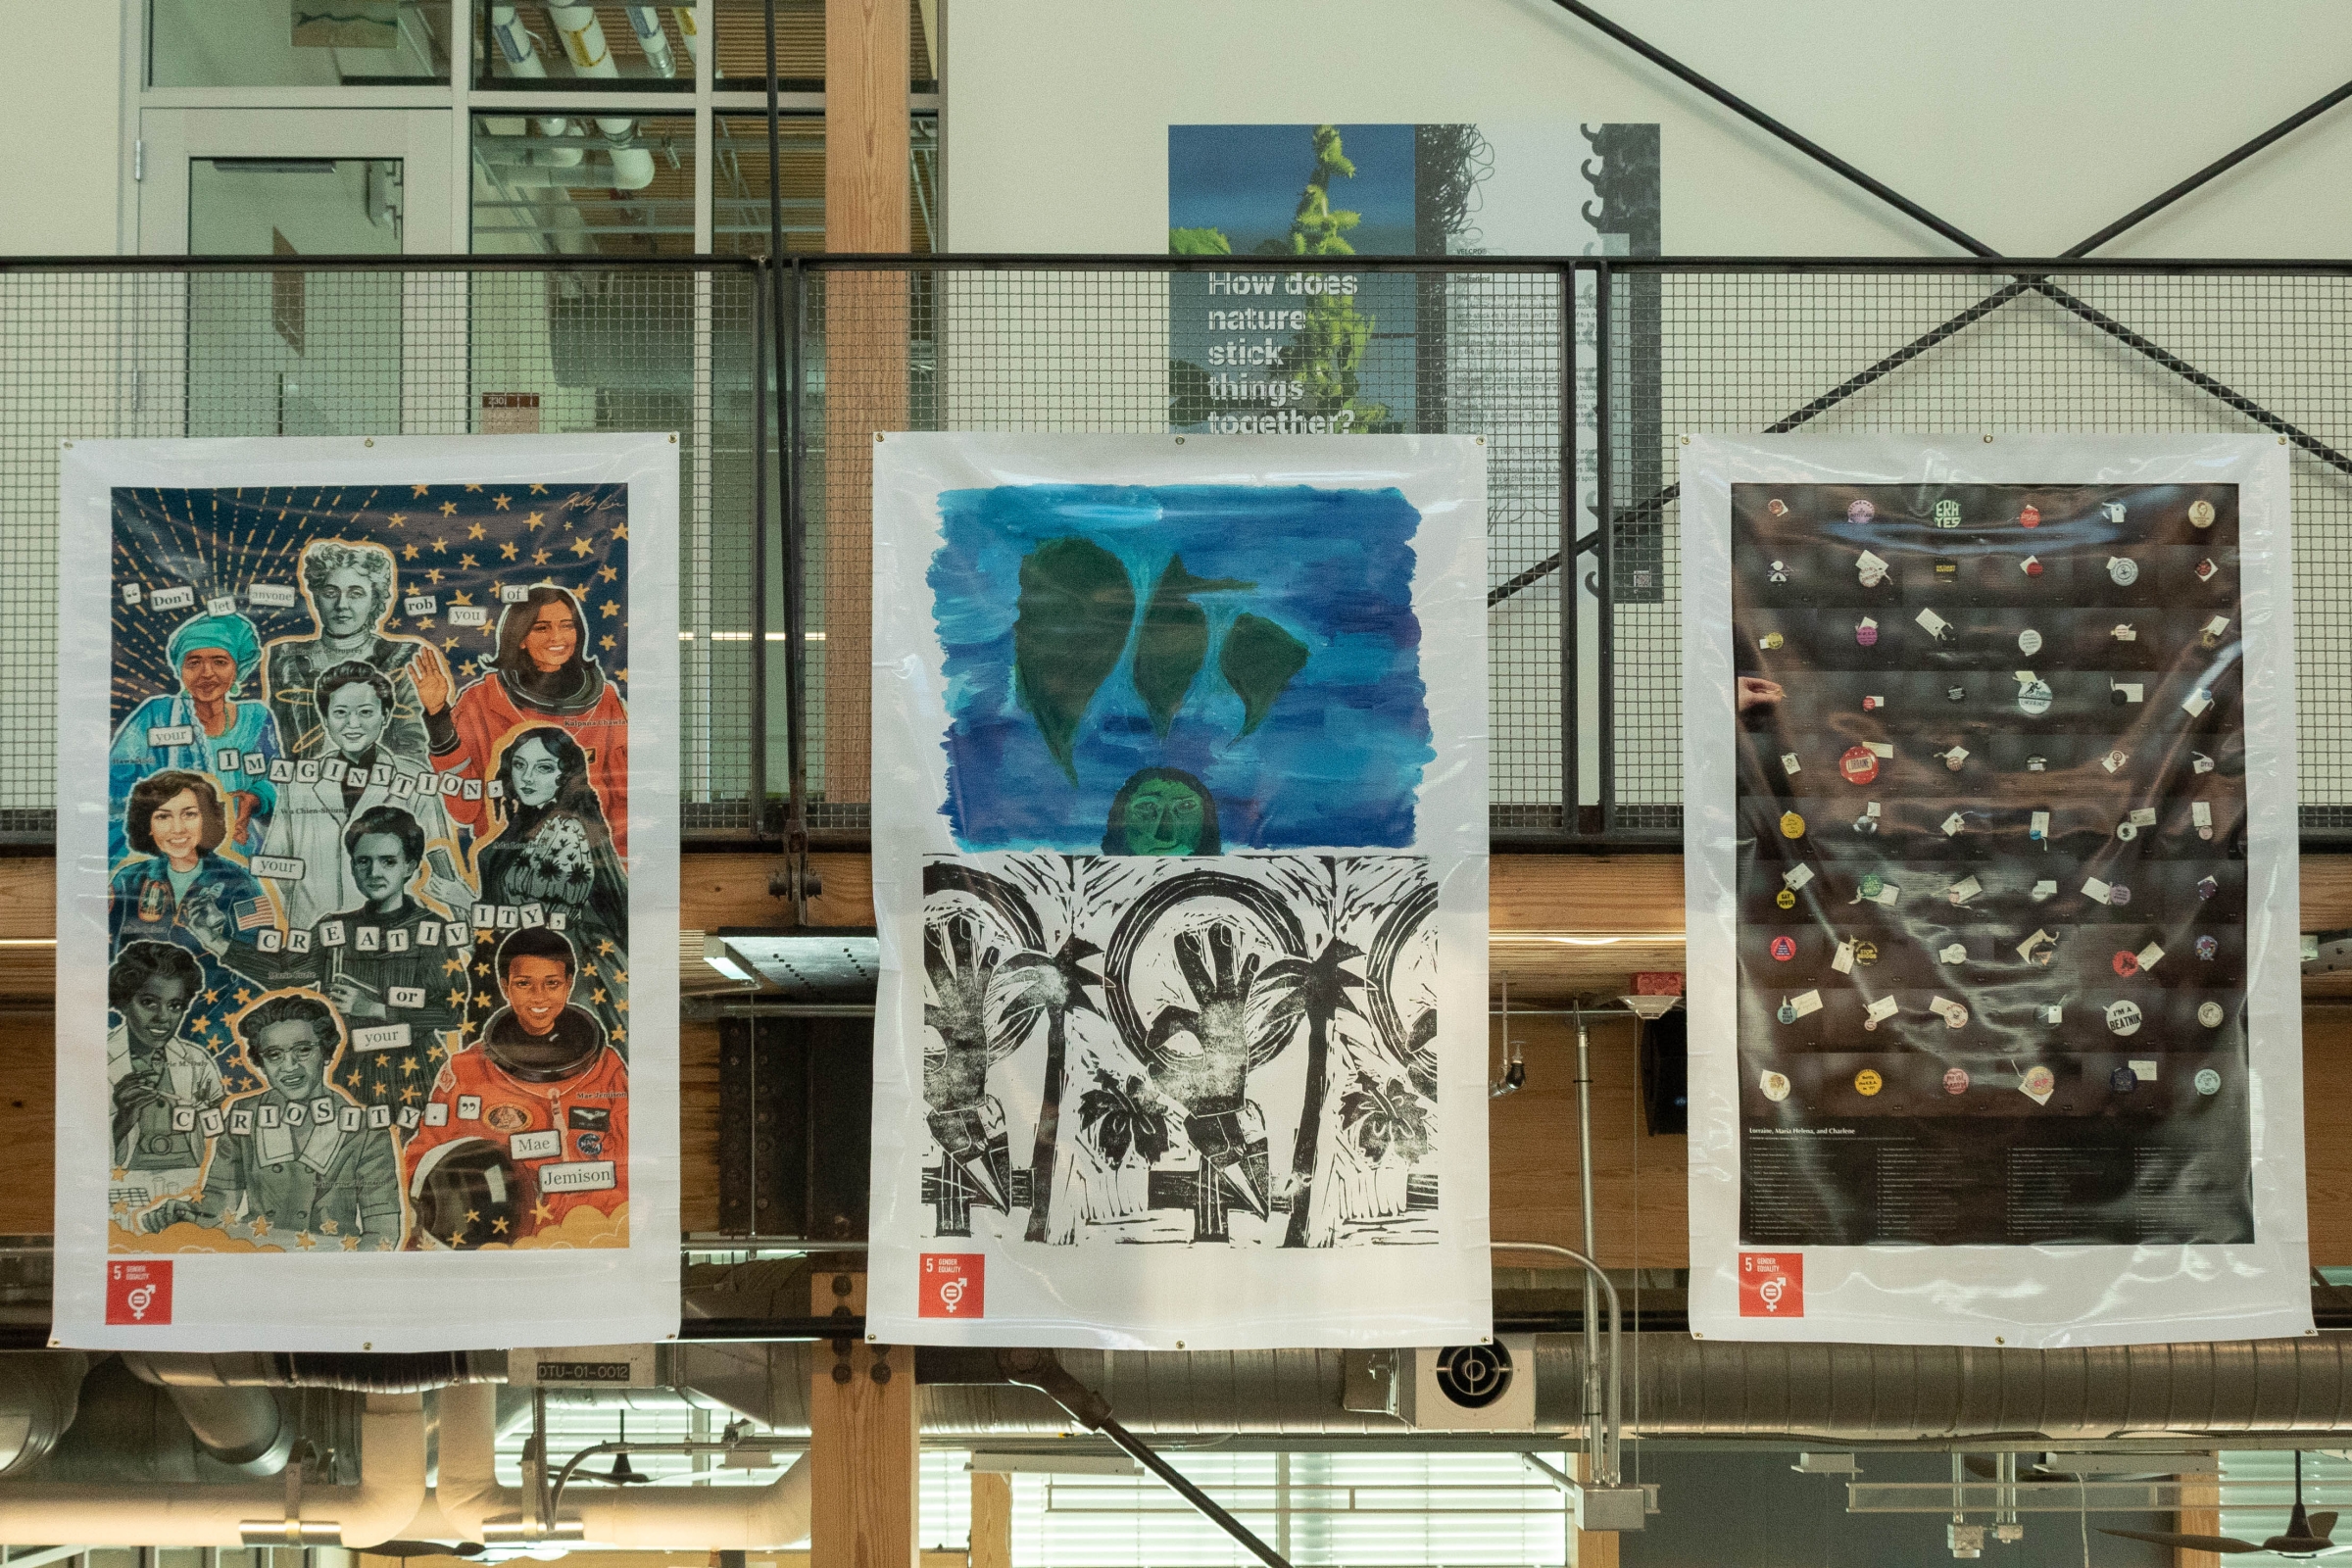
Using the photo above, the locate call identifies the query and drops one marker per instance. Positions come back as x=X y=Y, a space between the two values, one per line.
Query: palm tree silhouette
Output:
x=1318 y=989
x=1050 y=987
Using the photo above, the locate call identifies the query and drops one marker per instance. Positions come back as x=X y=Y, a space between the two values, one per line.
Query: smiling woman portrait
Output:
x=543 y=675
x=174 y=824
x=205 y=727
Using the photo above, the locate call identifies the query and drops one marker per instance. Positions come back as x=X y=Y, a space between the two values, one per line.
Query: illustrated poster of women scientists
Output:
x=368 y=848
x=1180 y=834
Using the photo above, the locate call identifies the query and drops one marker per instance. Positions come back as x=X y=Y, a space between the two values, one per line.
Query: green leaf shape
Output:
x=1258 y=661
x=1174 y=642
x=1076 y=607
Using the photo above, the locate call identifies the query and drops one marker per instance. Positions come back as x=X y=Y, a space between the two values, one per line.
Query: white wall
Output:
x=58 y=187
x=2028 y=124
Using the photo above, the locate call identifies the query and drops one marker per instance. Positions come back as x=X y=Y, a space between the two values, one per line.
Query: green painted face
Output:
x=1164 y=818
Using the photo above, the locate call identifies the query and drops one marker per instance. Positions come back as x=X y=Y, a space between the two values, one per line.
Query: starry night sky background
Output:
x=457 y=542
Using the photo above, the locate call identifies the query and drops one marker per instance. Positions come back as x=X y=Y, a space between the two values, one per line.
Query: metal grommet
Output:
x=881 y=1372
x=841 y=1371
x=842 y=1284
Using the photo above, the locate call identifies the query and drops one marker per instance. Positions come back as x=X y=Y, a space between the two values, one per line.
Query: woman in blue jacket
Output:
x=177 y=882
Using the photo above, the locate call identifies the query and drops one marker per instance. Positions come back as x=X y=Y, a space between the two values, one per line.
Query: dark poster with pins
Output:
x=1990 y=807
x=1179 y=793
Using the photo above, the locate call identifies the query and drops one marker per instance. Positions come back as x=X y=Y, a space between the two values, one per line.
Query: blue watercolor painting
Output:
x=1114 y=654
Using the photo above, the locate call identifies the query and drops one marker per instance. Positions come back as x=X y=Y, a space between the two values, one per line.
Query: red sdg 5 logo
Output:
x=1772 y=1284
x=139 y=1293
x=953 y=1284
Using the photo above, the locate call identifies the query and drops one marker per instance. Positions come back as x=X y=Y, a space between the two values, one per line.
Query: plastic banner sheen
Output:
x=367 y=813
x=1990 y=855
x=1180 y=864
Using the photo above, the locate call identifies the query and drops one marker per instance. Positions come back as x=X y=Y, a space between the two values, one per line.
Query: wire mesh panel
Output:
x=1765 y=348
x=941 y=346
x=212 y=351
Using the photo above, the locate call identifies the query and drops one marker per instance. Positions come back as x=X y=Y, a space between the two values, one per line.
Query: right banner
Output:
x=1990 y=846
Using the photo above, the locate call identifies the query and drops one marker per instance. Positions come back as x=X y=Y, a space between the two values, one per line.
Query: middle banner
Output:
x=1180 y=865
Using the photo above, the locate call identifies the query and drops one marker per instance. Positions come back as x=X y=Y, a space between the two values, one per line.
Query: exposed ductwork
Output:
x=475 y=1507
x=357 y=1374
x=390 y=1491
x=37 y=1404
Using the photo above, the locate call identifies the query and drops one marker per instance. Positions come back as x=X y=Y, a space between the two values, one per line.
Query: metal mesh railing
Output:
x=221 y=349
x=1473 y=345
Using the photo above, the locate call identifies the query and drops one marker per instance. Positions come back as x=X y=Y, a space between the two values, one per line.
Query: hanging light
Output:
x=624 y=1473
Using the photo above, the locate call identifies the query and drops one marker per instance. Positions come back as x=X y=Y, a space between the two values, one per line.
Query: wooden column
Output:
x=2200 y=1514
x=861 y=1442
x=992 y=1520
x=1587 y=1548
x=862 y=316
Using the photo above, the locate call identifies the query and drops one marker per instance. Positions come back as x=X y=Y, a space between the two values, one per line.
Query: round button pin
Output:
x=2039 y=1082
x=1860 y=511
x=2123 y=1080
x=1955 y=760
x=1774 y=1084
x=1792 y=826
x=1777 y=507
x=1772 y=640
x=1873 y=885
x=1953 y=953
x=2200 y=513
x=2127 y=831
x=1955 y=1081
x=2033 y=698
x=1866 y=952
x=2208 y=1081
x=1859 y=764
x=1955 y=1017
x=2209 y=1013
x=1867 y=1082
x=2126 y=965
x=2124 y=569
x=2119 y=895
x=2029 y=517
x=1866 y=634
x=2208 y=948
x=2123 y=1017
x=1788 y=1012
x=2032 y=566
x=1784 y=947
x=1785 y=899
x=2207 y=888
x=2028 y=641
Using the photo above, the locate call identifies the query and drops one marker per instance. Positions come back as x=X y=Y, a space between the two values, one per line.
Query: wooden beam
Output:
x=1588 y=1548
x=2200 y=1514
x=992 y=1520
x=863 y=319
x=862 y=1443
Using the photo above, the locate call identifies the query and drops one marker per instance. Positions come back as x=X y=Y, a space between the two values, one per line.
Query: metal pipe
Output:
x=1604 y=405
x=1756 y=117
x=1584 y=1207
x=1605 y=1472
x=2212 y=171
x=755 y=788
x=1572 y=773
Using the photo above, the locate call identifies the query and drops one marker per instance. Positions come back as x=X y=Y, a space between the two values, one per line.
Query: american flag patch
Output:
x=254 y=913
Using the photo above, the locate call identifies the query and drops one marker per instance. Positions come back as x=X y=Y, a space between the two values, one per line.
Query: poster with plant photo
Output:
x=1180 y=870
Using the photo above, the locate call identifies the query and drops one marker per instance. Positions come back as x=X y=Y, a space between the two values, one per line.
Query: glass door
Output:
x=303 y=350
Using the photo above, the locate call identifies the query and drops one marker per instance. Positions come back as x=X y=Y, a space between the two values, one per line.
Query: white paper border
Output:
x=1176 y=1296
x=382 y=1300
x=2018 y=1296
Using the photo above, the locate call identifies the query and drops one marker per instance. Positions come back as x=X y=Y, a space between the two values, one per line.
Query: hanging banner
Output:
x=1991 y=838
x=366 y=872
x=1180 y=864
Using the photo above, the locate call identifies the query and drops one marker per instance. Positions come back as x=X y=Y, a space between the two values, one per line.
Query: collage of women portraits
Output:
x=368 y=900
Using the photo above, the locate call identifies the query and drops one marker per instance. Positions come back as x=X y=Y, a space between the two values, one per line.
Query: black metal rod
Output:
x=784 y=415
x=754 y=787
x=2212 y=171
x=1605 y=473
x=1571 y=678
x=796 y=600
x=1758 y=117
x=1140 y=1453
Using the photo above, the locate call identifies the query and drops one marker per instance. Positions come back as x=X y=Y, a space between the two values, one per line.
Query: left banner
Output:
x=366 y=863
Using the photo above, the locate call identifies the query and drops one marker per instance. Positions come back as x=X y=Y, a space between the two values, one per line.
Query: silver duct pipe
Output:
x=37 y=1403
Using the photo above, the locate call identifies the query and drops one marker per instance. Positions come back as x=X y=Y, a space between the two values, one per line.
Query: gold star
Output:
x=352 y=1081
x=329 y=1226
x=606 y=643
x=621 y=531
x=398 y=519
x=457 y=1238
x=211 y=996
x=505 y=552
x=498 y=1227
x=499 y=502
x=416 y=489
x=538 y=557
x=538 y=489
x=408 y=551
x=620 y=1037
x=598 y=995
x=119 y=1174
x=474 y=487
x=437 y=1052
x=542 y=1211
x=449 y=509
x=305 y=1241
x=350 y=1243
x=473 y=1216
x=604 y=949
x=466 y=561
x=456 y=998
x=449 y=642
x=474 y=530
x=408 y=1064
x=384 y=1246
x=534 y=519
x=260 y=1224
x=607 y=573
x=466 y=669
x=453 y=966
x=610 y=608
x=621 y=1005
x=243 y=996
x=408 y=1095
x=581 y=546
x=425 y=623
x=441 y=545
x=482 y=969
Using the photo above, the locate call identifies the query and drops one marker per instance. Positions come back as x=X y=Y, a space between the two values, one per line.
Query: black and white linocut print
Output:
x=1235 y=1051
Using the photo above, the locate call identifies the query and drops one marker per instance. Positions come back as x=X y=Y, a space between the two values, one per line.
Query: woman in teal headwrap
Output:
x=205 y=728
